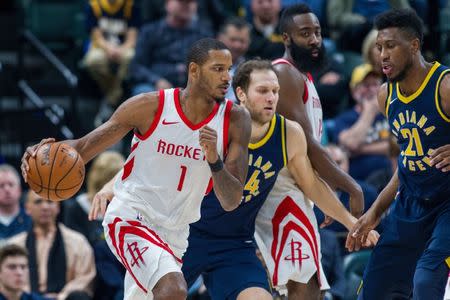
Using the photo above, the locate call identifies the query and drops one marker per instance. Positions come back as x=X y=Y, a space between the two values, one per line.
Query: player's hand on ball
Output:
x=99 y=204
x=31 y=152
x=208 y=142
x=440 y=158
x=357 y=236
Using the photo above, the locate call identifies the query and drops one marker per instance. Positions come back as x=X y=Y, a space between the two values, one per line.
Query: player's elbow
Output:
x=232 y=201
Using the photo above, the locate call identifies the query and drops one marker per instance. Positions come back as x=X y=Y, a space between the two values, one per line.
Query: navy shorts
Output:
x=228 y=267
x=416 y=236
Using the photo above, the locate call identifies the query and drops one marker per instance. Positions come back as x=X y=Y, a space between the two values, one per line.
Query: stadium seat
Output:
x=354 y=265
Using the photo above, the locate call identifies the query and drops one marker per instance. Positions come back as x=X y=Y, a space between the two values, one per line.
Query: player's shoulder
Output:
x=239 y=114
x=293 y=130
x=288 y=72
x=444 y=88
x=144 y=102
x=383 y=93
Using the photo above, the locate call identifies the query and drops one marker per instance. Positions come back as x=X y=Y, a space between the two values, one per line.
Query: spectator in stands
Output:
x=266 y=41
x=160 y=60
x=13 y=218
x=363 y=131
x=341 y=159
x=76 y=210
x=61 y=260
x=235 y=34
x=14 y=274
x=370 y=53
x=113 y=26
x=353 y=19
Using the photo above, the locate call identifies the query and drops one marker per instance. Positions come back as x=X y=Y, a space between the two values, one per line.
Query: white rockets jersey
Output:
x=166 y=174
x=310 y=99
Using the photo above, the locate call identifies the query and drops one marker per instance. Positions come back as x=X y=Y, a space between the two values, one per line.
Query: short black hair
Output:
x=287 y=17
x=238 y=22
x=199 y=51
x=405 y=19
x=244 y=70
x=12 y=250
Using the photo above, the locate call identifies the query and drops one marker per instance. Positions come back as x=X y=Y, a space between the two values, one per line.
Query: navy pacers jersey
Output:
x=420 y=125
x=266 y=159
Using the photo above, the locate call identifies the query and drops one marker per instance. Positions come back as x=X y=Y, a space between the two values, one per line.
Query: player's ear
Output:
x=241 y=95
x=286 y=39
x=194 y=70
x=415 y=45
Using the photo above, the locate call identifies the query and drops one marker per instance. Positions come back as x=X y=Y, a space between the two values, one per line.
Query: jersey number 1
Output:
x=182 y=176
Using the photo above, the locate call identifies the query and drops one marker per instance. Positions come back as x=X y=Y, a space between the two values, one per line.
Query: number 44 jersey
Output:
x=166 y=174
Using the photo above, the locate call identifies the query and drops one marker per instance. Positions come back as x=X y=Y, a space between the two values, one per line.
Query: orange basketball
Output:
x=57 y=171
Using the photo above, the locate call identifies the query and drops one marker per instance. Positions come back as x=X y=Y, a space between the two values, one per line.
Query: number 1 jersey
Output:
x=166 y=174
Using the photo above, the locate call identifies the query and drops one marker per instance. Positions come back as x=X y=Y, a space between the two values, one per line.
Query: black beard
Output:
x=304 y=60
x=219 y=99
x=402 y=74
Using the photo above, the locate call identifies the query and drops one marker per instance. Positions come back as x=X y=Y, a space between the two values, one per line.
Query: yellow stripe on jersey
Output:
x=410 y=98
x=283 y=140
x=359 y=288
x=128 y=9
x=388 y=99
x=266 y=137
x=96 y=8
x=111 y=8
x=448 y=261
x=436 y=97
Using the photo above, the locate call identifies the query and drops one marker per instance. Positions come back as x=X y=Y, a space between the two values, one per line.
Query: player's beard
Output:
x=304 y=60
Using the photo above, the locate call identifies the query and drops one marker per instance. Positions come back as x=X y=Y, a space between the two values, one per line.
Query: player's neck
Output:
x=415 y=77
x=195 y=106
x=259 y=131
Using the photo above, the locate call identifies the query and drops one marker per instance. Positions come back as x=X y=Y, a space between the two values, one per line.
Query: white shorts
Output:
x=147 y=251
x=288 y=238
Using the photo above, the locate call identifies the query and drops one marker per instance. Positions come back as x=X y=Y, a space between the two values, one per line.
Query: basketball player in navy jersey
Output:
x=413 y=255
x=181 y=138
x=300 y=102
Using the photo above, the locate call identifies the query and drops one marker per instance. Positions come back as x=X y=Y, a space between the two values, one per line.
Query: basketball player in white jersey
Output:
x=182 y=137
x=299 y=102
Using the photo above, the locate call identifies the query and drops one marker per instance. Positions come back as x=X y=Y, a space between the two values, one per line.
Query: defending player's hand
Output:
x=31 y=152
x=357 y=236
x=99 y=204
x=372 y=239
x=208 y=142
x=440 y=158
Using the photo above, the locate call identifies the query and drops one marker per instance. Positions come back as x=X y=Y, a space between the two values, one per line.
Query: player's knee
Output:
x=174 y=291
x=430 y=284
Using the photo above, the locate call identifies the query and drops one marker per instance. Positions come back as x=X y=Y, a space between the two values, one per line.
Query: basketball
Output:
x=56 y=172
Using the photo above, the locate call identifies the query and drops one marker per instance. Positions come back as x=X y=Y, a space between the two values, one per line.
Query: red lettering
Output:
x=187 y=151
x=161 y=146
x=170 y=149
x=197 y=153
x=179 y=151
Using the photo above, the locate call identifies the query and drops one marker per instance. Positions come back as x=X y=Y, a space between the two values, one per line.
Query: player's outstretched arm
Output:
x=135 y=113
x=292 y=107
x=229 y=178
x=309 y=182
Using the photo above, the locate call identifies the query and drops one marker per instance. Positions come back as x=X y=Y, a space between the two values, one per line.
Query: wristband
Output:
x=216 y=166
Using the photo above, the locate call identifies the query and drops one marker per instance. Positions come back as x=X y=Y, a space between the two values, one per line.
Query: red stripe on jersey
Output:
x=310 y=77
x=185 y=119
x=127 y=168
x=282 y=61
x=226 y=125
x=155 y=119
x=286 y=207
x=305 y=92
x=134 y=146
